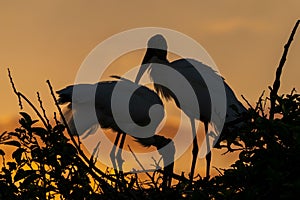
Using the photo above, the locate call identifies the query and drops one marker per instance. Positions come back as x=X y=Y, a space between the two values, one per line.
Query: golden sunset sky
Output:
x=41 y=40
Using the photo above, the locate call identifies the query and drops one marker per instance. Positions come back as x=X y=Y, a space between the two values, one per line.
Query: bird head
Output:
x=156 y=53
x=157 y=42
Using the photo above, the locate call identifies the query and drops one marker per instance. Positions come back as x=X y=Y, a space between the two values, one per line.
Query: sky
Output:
x=41 y=40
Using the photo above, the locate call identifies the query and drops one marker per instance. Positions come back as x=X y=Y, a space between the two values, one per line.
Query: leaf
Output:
x=21 y=174
x=2 y=153
x=30 y=178
x=41 y=132
x=12 y=165
x=69 y=150
x=59 y=128
x=12 y=143
x=17 y=154
x=14 y=134
x=2 y=134
x=237 y=143
x=26 y=121
x=26 y=117
x=23 y=123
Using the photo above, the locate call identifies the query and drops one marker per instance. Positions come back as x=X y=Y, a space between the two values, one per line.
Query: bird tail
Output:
x=65 y=95
x=235 y=109
x=83 y=125
x=83 y=122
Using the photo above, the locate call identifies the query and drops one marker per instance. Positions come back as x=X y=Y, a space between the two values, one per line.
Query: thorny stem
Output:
x=42 y=107
x=14 y=88
x=21 y=96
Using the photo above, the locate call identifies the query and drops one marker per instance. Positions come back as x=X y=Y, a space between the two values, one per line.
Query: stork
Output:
x=142 y=99
x=155 y=57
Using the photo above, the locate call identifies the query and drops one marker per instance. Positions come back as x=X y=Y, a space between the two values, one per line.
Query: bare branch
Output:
x=14 y=89
x=276 y=84
x=140 y=164
x=42 y=107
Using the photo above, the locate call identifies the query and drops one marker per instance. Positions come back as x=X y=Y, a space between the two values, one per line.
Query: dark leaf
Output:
x=12 y=143
x=41 y=132
x=59 y=128
x=2 y=153
x=17 y=154
x=12 y=165
x=30 y=178
x=21 y=174
x=26 y=117
x=2 y=134
x=14 y=134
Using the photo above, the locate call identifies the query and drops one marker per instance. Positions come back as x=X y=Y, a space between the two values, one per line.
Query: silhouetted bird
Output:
x=111 y=113
x=156 y=58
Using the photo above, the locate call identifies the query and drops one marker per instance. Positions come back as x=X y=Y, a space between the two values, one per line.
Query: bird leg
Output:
x=195 y=150
x=119 y=158
x=113 y=154
x=208 y=155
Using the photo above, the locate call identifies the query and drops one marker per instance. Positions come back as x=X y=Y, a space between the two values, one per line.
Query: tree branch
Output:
x=276 y=84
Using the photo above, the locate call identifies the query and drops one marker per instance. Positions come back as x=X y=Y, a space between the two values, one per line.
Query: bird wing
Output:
x=79 y=94
x=209 y=85
x=194 y=71
x=108 y=100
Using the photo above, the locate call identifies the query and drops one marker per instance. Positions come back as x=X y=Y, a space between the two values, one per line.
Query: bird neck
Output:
x=159 y=53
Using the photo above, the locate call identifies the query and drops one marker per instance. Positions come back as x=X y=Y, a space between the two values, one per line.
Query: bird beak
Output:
x=140 y=73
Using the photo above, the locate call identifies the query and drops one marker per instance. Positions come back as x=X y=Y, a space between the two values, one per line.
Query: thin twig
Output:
x=232 y=150
x=259 y=100
x=259 y=104
x=14 y=89
x=21 y=96
x=42 y=107
x=140 y=164
x=55 y=118
x=175 y=176
x=276 y=84
x=218 y=170
x=247 y=102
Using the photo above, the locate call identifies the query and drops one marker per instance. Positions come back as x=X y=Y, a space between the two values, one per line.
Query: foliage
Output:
x=269 y=163
x=46 y=164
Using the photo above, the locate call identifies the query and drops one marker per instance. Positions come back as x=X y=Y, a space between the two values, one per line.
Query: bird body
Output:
x=189 y=69
x=145 y=112
x=141 y=100
x=195 y=74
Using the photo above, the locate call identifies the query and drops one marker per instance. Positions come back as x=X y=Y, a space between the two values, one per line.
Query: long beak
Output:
x=142 y=70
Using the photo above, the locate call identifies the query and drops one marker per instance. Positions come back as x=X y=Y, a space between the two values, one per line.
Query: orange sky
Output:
x=42 y=40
